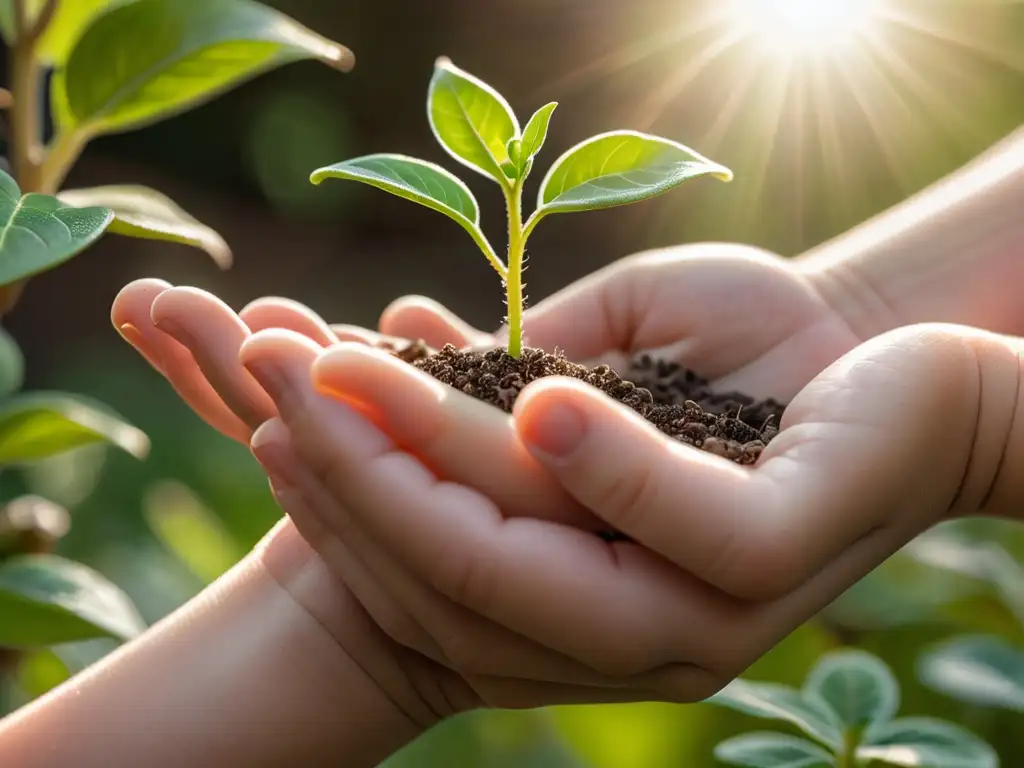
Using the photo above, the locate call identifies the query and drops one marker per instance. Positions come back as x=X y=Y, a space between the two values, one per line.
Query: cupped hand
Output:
x=910 y=428
x=744 y=318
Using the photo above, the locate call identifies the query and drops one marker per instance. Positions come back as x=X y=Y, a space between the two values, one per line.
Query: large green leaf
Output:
x=983 y=670
x=470 y=119
x=38 y=232
x=618 y=168
x=922 y=742
x=858 y=686
x=145 y=213
x=12 y=365
x=45 y=600
x=773 y=701
x=145 y=60
x=772 y=750
x=415 y=180
x=37 y=425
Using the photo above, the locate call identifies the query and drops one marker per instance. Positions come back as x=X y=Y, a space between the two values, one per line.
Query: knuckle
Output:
x=627 y=496
x=401 y=627
x=462 y=652
x=468 y=576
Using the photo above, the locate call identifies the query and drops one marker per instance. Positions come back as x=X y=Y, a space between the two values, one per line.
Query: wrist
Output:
x=245 y=674
x=951 y=254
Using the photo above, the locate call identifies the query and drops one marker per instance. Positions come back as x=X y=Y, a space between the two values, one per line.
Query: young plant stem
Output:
x=26 y=109
x=514 y=277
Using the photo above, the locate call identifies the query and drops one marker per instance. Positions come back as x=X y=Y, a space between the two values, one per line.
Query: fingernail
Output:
x=270 y=376
x=266 y=448
x=175 y=331
x=557 y=430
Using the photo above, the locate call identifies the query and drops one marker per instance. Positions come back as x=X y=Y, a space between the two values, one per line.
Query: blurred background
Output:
x=818 y=143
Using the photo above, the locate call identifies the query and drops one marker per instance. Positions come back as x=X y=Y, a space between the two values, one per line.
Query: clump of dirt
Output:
x=675 y=400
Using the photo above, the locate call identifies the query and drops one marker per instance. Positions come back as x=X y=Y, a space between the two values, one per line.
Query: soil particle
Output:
x=675 y=400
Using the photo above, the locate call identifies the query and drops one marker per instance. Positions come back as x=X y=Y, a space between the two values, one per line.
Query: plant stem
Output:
x=514 y=277
x=25 y=130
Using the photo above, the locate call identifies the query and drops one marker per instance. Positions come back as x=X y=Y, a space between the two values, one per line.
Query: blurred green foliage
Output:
x=813 y=156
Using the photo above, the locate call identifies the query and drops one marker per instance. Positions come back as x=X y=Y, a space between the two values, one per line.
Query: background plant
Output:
x=847 y=706
x=114 y=65
x=475 y=125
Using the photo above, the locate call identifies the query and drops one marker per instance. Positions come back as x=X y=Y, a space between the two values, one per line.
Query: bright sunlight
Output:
x=799 y=27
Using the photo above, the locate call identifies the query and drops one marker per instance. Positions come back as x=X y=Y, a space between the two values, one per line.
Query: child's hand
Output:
x=909 y=429
x=192 y=338
x=746 y=319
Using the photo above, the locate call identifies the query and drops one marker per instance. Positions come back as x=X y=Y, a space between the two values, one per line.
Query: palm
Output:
x=747 y=320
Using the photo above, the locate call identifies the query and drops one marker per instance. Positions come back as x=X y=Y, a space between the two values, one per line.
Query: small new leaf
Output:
x=470 y=119
x=145 y=213
x=47 y=600
x=38 y=425
x=619 y=168
x=923 y=742
x=536 y=131
x=772 y=750
x=39 y=232
x=514 y=150
x=983 y=670
x=773 y=701
x=143 y=61
x=858 y=686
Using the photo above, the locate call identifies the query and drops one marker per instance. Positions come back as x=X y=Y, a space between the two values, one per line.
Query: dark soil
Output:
x=675 y=400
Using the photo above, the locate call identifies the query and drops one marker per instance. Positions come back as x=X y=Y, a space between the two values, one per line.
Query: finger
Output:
x=417 y=317
x=840 y=468
x=466 y=641
x=131 y=314
x=556 y=585
x=271 y=445
x=462 y=439
x=213 y=333
x=275 y=312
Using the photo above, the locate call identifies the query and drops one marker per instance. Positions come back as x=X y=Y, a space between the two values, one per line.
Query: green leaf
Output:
x=923 y=742
x=772 y=701
x=68 y=23
x=38 y=232
x=12 y=365
x=145 y=213
x=619 y=168
x=412 y=179
x=41 y=671
x=535 y=132
x=470 y=119
x=858 y=686
x=189 y=530
x=146 y=60
x=772 y=750
x=45 y=600
x=983 y=670
x=514 y=148
x=37 y=425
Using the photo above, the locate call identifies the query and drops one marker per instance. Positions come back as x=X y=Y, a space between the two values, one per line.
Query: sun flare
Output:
x=799 y=27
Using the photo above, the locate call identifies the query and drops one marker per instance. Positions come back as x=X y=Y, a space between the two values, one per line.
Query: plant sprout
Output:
x=477 y=127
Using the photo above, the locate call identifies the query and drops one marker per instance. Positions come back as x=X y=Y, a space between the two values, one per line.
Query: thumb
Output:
x=417 y=317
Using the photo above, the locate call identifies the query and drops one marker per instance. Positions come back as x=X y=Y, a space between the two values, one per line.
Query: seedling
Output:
x=476 y=126
x=847 y=708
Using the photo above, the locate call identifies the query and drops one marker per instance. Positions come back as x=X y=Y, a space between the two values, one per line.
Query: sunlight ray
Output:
x=655 y=104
